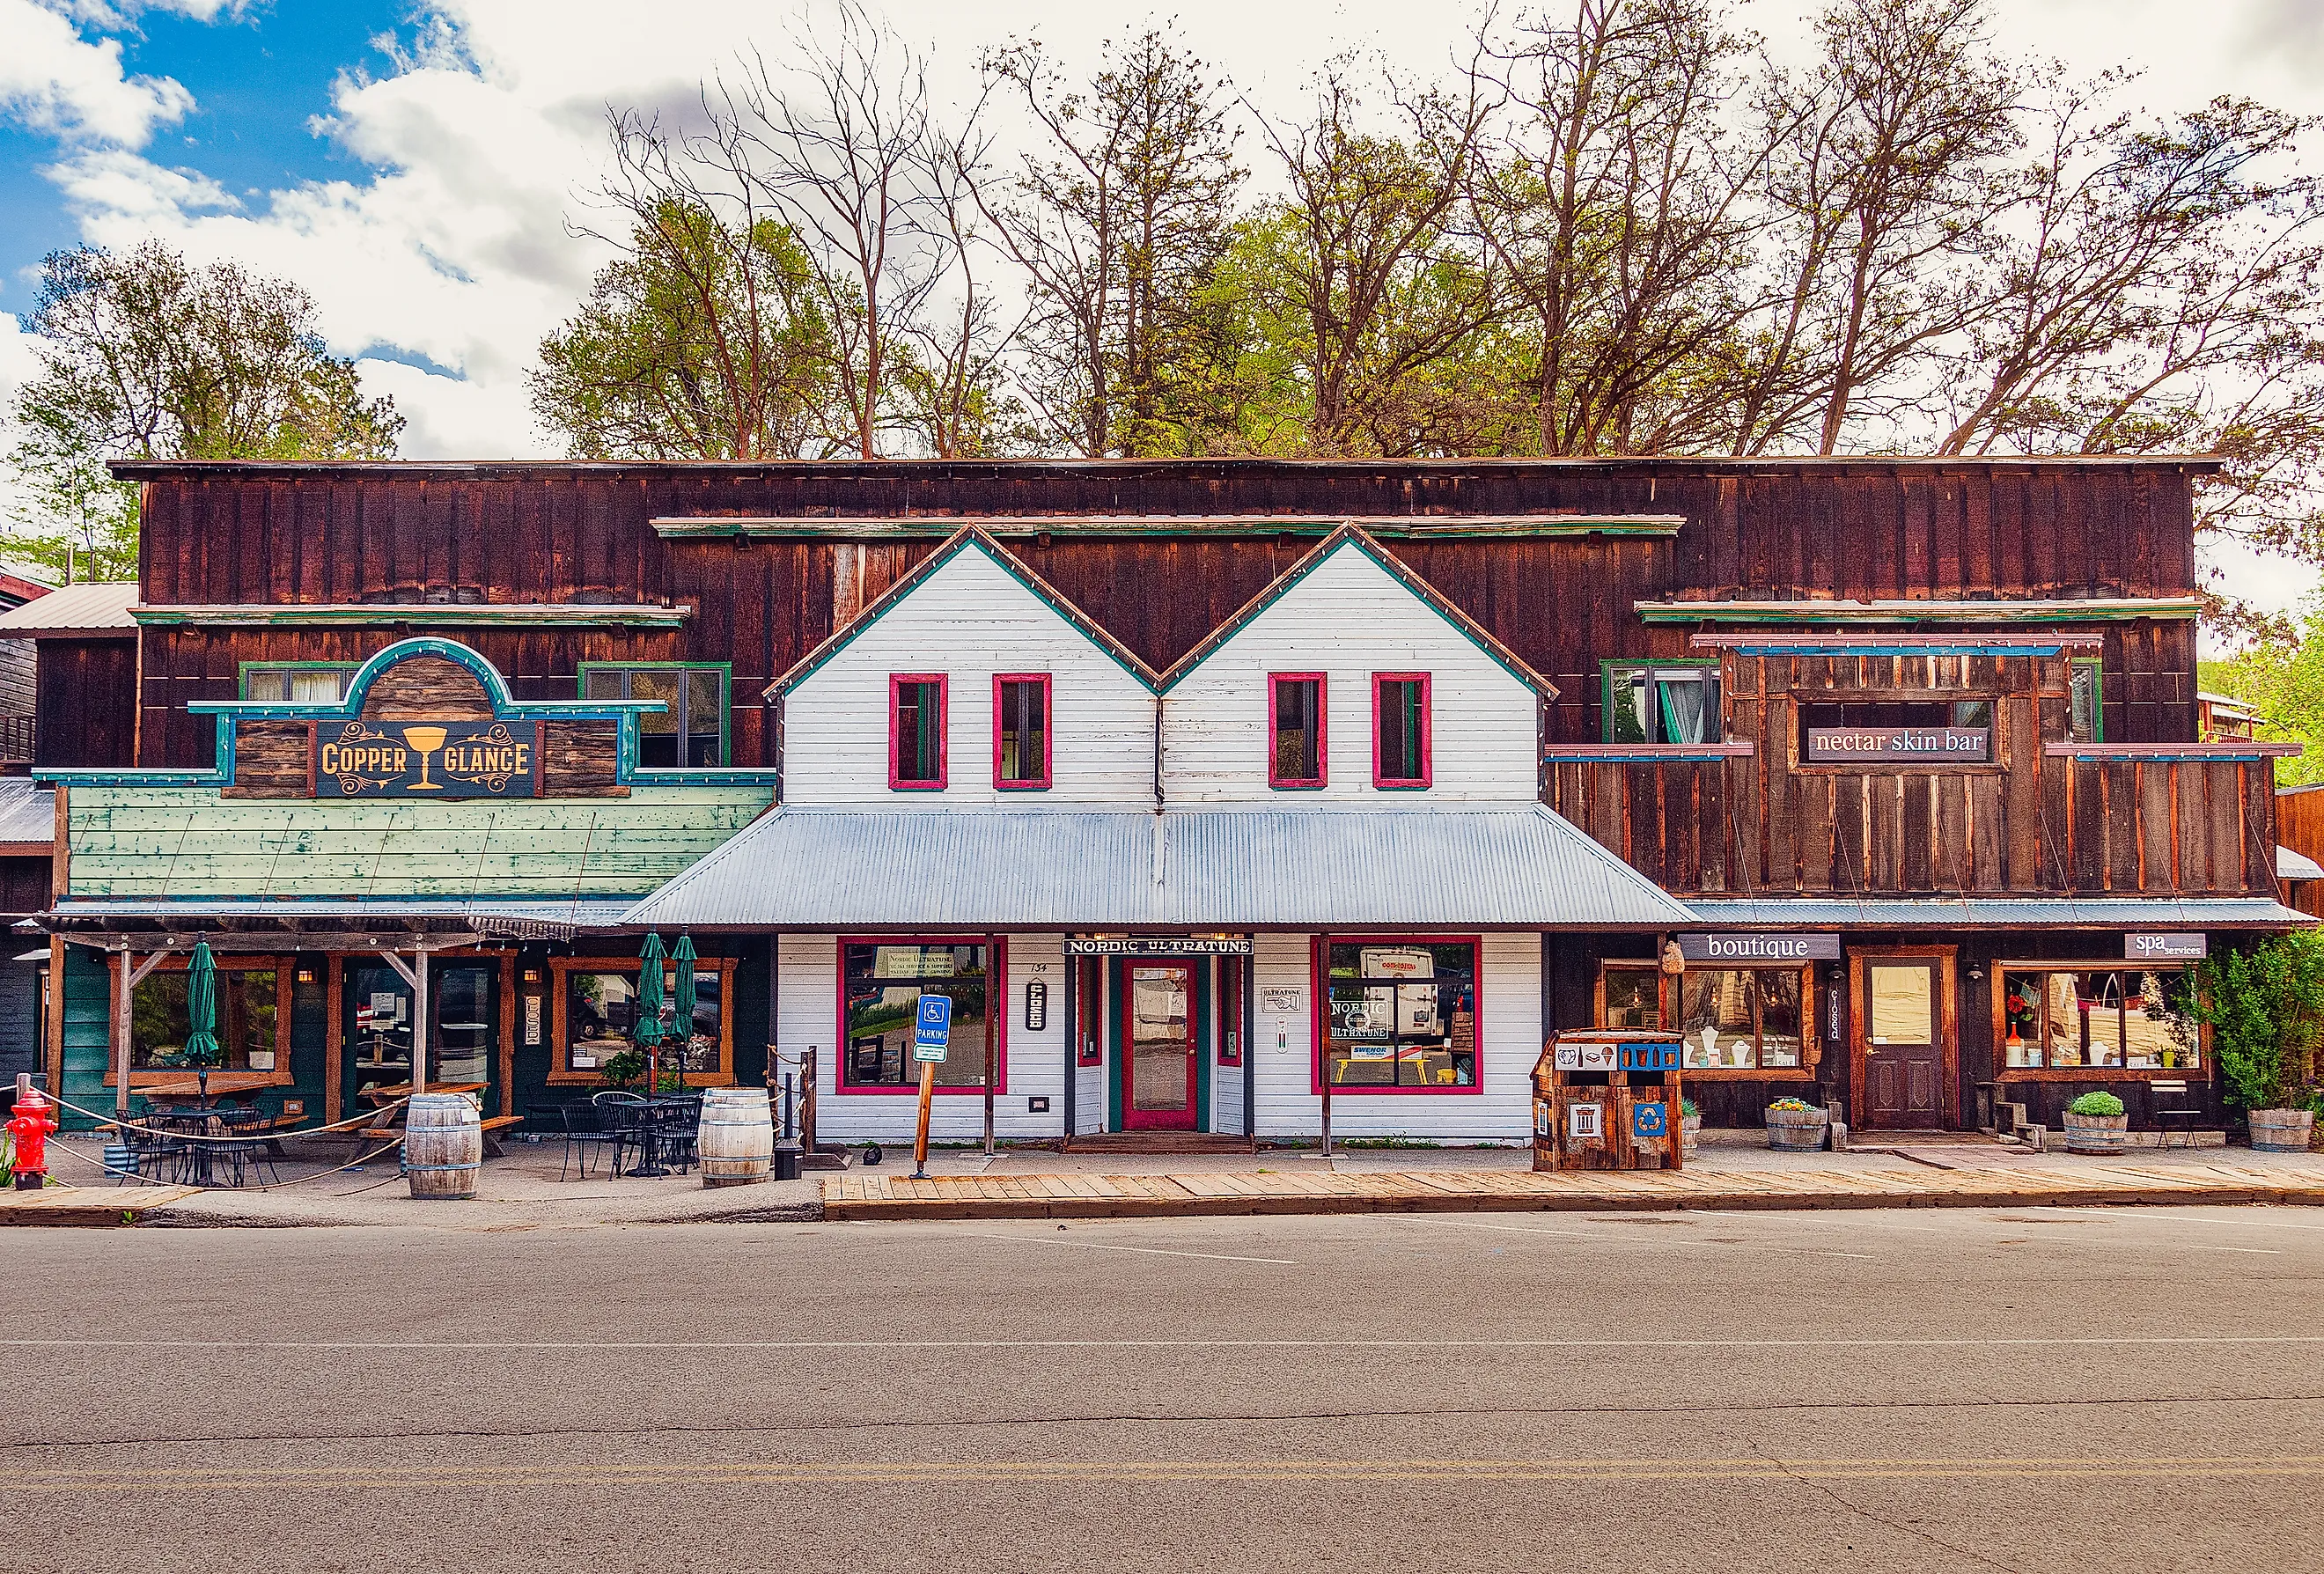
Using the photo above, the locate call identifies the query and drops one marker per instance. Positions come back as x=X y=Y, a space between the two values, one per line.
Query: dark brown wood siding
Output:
x=87 y=712
x=566 y=533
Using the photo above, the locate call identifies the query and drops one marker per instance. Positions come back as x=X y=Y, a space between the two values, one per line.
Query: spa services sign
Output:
x=425 y=760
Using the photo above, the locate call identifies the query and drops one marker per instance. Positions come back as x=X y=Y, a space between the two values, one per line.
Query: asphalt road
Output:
x=1906 y=1390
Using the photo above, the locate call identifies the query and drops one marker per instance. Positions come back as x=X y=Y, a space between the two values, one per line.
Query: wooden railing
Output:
x=2134 y=820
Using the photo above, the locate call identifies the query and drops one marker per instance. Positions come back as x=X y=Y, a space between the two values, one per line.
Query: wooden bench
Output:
x=377 y=1135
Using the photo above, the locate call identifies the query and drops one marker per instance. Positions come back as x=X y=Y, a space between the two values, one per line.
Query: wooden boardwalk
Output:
x=88 y=1205
x=1274 y=1191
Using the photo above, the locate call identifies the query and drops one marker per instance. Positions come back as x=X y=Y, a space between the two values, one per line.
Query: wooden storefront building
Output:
x=1279 y=774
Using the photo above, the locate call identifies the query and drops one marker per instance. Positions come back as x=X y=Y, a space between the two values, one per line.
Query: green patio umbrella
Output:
x=682 y=1012
x=201 y=1050
x=647 y=1029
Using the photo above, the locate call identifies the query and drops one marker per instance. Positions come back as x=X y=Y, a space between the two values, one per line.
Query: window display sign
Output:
x=1759 y=947
x=2175 y=947
x=419 y=760
x=1909 y=745
x=914 y=962
x=1384 y=962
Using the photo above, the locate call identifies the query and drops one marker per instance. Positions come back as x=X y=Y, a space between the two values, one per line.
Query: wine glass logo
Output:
x=426 y=740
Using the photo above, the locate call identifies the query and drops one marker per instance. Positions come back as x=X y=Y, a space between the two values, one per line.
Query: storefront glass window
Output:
x=1634 y=997
x=247 y=1008
x=884 y=983
x=1662 y=704
x=1739 y=1018
x=2099 y=1017
x=601 y=1018
x=690 y=730
x=1403 y=1014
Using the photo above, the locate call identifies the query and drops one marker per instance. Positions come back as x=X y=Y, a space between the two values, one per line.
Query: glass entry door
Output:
x=1158 y=1062
x=464 y=1000
x=1906 y=1043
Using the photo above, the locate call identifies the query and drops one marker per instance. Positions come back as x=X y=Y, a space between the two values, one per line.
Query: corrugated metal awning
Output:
x=97 y=611
x=2296 y=866
x=28 y=811
x=1776 y=912
x=484 y=915
x=1508 y=866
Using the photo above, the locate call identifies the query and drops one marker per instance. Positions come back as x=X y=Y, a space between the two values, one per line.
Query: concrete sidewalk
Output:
x=523 y=1190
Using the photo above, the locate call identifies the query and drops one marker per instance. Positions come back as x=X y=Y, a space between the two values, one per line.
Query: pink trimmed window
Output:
x=1021 y=732
x=1401 y=736
x=1297 y=756
x=916 y=732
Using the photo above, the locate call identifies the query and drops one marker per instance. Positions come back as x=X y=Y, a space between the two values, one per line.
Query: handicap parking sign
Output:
x=932 y=1029
x=1649 y=1119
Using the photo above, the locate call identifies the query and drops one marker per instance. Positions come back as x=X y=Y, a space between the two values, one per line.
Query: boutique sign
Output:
x=425 y=760
x=1759 y=947
x=1912 y=745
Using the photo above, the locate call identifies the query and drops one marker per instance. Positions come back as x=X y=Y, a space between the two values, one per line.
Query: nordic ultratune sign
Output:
x=1759 y=947
x=1162 y=946
x=1911 y=745
x=425 y=760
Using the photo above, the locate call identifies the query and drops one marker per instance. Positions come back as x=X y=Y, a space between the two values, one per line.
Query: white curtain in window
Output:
x=1686 y=709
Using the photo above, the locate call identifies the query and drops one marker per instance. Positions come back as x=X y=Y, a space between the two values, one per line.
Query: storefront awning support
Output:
x=133 y=973
x=415 y=974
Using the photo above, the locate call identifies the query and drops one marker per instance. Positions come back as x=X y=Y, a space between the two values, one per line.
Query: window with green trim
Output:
x=1662 y=702
x=2086 y=693
x=691 y=728
x=305 y=683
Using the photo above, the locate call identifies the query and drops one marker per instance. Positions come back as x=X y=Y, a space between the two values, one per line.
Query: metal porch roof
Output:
x=1491 y=866
x=1996 y=912
x=484 y=913
x=28 y=811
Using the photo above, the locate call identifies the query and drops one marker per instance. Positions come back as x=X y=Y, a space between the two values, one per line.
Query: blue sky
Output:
x=258 y=82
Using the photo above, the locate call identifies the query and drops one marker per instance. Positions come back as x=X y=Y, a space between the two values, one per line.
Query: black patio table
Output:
x=195 y=1157
x=662 y=1130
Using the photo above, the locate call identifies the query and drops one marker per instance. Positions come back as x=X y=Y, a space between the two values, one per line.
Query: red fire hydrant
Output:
x=30 y=1126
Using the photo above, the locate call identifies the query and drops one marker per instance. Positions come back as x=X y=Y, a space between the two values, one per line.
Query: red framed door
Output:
x=1157 y=1047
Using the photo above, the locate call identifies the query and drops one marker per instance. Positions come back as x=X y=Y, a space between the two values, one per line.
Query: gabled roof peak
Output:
x=1354 y=537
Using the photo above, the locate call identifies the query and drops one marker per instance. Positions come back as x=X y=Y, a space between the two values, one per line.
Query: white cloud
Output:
x=54 y=79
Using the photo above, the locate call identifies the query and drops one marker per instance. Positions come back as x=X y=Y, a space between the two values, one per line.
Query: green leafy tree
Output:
x=2283 y=679
x=2266 y=1010
x=704 y=340
x=142 y=355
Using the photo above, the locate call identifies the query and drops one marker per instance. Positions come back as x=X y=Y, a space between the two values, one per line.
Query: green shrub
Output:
x=1686 y=1109
x=2266 y=1010
x=2104 y=1104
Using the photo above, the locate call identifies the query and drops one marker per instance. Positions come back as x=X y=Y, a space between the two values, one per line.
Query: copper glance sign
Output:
x=425 y=760
x=1849 y=745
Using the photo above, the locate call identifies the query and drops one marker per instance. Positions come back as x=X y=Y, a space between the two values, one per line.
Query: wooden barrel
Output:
x=2100 y=1135
x=443 y=1144
x=1795 y=1130
x=2281 y=1130
x=737 y=1137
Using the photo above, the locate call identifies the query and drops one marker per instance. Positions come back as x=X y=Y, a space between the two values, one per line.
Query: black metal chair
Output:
x=629 y=1119
x=247 y=1146
x=679 y=1127
x=588 y=1127
x=2169 y=1103
x=153 y=1149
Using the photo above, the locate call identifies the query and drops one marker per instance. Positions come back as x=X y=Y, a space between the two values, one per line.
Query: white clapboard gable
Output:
x=969 y=613
x=1347 y=614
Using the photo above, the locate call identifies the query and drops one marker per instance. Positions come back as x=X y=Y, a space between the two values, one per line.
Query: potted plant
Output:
x=1690 y=1130
x=2019 y=1007
x=2266 y=1010
x=2096 y=1123
x=1795 y=1126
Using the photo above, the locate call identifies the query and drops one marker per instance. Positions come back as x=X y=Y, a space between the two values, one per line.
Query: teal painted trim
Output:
x=724 y=669
x=936 y=527
x=2097 y=664
x=924 y=570
x=1605 y=665
x=496 y=691
x=242 y=687
x=706 y=776
x=1347 y=536
x=425 y=615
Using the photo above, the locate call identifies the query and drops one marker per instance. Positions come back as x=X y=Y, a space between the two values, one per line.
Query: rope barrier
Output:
x=117 y=1124
x=354 y=1163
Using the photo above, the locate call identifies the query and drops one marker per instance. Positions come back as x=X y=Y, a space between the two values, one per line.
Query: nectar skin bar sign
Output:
x=425 y=760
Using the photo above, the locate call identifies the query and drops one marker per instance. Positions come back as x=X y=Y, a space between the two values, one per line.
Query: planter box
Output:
x=1690 y=1137
x=2097 y=1134
x=2281 y=1130
x=1796 y=1131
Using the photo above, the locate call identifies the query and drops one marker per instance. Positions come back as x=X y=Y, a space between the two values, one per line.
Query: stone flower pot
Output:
x=1796 y=1131
x=2281 y=1130
x=2097 y=1134
x=1689 y=1137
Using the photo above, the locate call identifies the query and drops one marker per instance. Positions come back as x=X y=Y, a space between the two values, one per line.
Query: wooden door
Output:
x=1904 y=1057
x=1157 y=1047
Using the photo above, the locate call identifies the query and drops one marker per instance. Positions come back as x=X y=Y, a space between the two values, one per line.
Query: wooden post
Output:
x=806 y=1102
x=920 y=1141
x=420 y=1021
x=121 y=1040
